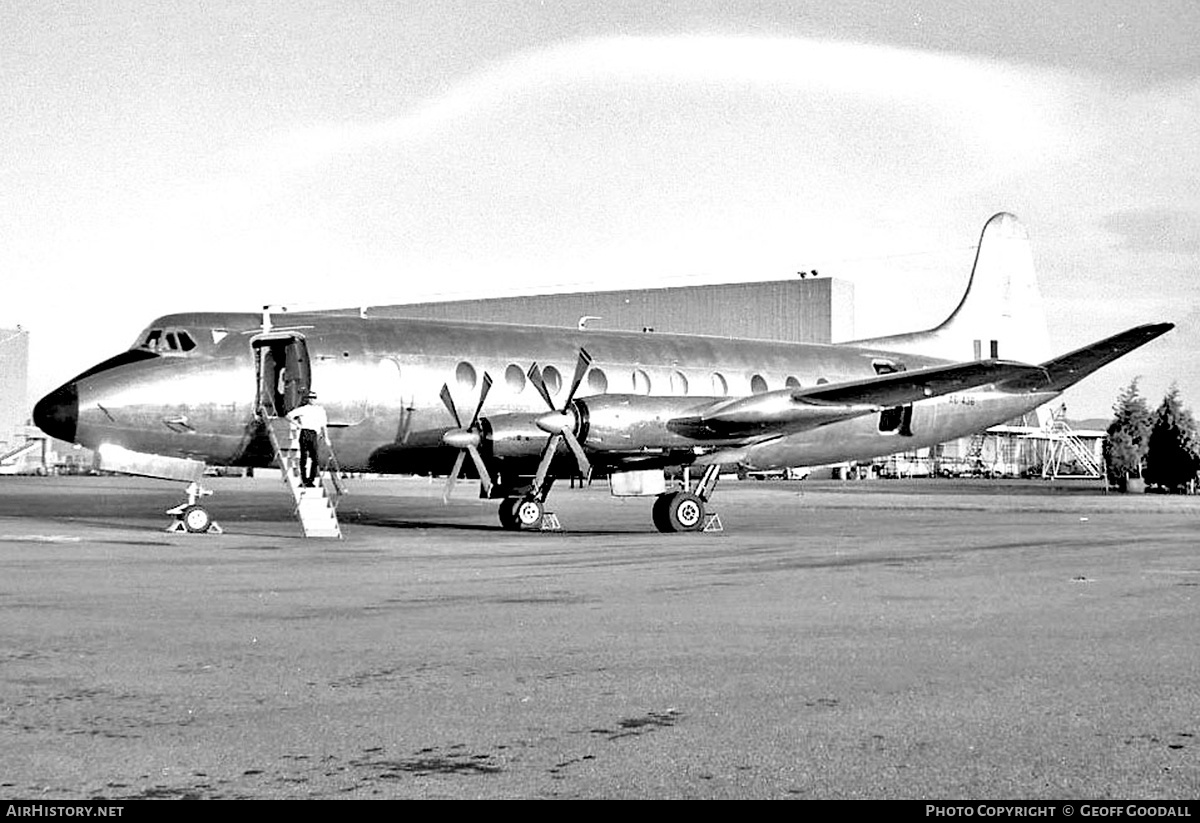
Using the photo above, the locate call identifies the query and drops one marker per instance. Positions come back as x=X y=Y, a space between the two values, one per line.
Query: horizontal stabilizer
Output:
x=1063 y=372
x=788 y=411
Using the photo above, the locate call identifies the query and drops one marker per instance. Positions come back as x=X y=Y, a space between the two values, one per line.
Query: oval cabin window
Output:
x=679 y=383
x=597 y=381
x=514 y=378
x=465 y=375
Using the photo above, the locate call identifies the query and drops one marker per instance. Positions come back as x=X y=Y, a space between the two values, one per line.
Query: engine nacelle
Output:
x=514 y=435
x=633 y=422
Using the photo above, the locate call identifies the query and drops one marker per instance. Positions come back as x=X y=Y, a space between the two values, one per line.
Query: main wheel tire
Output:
x=679 y=512
x=508 y=513
x=662 y=519
x=196 y=519
x=529 y=513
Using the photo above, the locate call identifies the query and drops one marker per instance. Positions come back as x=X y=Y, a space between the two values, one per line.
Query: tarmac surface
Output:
x=883 y=639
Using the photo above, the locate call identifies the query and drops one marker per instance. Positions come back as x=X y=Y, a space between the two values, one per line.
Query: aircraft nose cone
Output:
x=58 y=413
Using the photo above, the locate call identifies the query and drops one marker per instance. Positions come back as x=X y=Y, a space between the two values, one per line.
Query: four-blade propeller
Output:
x=560 y=423
x=466 y=440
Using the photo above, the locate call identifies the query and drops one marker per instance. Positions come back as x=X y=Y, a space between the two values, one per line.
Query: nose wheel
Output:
x=191 y=517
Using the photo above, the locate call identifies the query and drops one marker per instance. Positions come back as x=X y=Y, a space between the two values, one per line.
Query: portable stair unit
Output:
x=1066 y=450
x=316 y=507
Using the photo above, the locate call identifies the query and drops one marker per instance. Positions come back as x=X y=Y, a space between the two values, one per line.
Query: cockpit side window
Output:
x=186 y=343
x=152 y=340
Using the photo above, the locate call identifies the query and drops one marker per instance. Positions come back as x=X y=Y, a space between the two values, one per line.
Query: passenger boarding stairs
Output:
x=316 y=507
x=1066 y=450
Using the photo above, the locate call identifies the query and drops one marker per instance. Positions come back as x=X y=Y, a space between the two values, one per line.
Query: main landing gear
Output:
x=686 y=511
x=522 y=513
x=525 y=509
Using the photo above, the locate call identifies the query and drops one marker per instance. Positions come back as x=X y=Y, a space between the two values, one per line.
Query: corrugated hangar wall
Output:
x=14 y=375
x=812 y=310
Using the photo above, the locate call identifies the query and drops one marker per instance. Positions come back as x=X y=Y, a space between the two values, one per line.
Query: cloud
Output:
x=1156 y=229
x=1005 y=109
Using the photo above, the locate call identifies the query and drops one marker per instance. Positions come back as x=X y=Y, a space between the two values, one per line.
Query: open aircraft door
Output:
x=283 y=370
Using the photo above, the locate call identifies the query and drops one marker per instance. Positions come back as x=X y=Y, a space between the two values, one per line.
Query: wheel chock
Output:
x=550 y=523
x=177 y=527
x=712 y=523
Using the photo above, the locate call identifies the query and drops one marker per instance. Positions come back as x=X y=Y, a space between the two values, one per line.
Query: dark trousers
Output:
x=309 y=460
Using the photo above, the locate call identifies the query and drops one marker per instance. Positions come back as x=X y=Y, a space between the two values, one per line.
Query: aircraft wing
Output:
x=788 y=411
x=1063 y=372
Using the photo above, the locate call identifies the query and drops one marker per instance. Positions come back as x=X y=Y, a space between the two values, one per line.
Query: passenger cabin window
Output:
x=758 y=384
x=464 y=375
x=514 y=377
x=552 y=379
x=597 y=381
x=679 y=383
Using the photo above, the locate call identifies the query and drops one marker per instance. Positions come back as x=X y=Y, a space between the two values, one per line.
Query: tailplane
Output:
x=999 y=316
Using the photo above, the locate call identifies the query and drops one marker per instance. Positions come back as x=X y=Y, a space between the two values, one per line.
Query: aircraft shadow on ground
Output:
x=392 y=523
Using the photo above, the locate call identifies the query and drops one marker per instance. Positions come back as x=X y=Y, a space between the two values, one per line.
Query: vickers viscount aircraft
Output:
x=517 y=406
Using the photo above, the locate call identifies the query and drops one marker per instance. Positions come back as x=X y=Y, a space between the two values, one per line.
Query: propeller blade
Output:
x=453 y=478
x=485 y=479
x=580 y=457
x=547 y=458
x=487 y=387
x=535 y=377
x=448 y=402
x=581 y=367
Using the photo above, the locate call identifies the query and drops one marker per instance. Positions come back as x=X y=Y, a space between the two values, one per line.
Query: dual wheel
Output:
x=521 y=513
x=679 y=512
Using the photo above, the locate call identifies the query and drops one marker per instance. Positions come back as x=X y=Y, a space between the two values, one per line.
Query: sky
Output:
x=218 y=155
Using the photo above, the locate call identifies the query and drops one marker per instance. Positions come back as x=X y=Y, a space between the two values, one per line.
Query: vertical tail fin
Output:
x=1001 y=313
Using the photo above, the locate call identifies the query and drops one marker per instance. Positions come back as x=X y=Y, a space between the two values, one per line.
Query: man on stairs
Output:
x=311 y=420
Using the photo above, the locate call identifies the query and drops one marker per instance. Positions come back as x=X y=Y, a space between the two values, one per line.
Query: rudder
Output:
x=1000 y=314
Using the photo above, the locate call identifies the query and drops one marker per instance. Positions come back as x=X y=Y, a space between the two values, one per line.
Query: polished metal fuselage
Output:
x=379 y=380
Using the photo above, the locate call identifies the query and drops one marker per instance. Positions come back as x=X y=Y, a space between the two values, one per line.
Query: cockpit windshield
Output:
x=166 y=341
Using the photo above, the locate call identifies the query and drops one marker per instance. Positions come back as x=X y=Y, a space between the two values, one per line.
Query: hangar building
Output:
x=14 y=377
x=808 y=310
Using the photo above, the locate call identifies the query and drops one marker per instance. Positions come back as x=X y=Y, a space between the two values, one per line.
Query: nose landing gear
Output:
x=191 y=517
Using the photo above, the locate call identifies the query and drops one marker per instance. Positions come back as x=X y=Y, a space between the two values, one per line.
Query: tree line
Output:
x=1159 y=448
